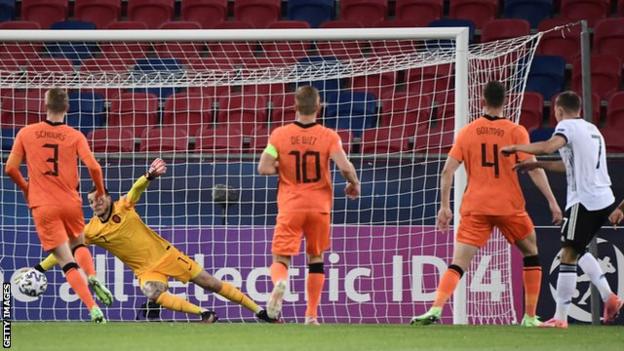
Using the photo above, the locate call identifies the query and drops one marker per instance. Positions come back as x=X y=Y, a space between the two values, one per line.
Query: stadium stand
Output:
x=500 y=29
x=44 y=12
x=151 y=12
x=208 y=13
x=533 y=11
x=314 y=12
x=477 y=11
x=7 y=10
x=100 y=12
x=364 y=12
x=420 y=12
x=257 y=13
x=590 y=10
x=547 y=75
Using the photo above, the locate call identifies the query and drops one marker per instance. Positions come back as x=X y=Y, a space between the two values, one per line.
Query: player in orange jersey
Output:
x=302 y=151
x=51 y=150
x=493 y=198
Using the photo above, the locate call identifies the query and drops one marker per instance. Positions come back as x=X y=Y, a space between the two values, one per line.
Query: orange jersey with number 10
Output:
x=303 y=154
x=493 y=187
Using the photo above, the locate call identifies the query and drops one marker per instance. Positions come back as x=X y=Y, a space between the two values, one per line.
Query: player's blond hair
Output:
x=57 y=100
x=306 y=100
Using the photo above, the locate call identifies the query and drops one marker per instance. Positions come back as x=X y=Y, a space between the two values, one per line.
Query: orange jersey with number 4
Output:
x=52 y=151
x=493 y=187
x=303 y=154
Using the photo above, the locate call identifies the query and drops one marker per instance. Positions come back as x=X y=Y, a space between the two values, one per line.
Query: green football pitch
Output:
x=295 y=337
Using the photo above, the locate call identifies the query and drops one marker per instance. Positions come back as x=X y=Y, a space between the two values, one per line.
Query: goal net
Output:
x=207 y=102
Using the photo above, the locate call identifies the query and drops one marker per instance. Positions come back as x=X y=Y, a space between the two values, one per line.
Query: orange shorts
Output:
x=292 y=225
x=475 y=230
x=57 y=224
x=173 y=264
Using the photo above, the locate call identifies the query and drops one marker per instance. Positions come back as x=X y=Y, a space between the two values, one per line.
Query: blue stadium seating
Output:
x=533 y=11
x=86 y=111
x=354 y=111
x=314 y=12
x=75 y=52
x=329 y=88
x=157 y=65
x=7 y=136
x=7 y=10
x=547 y=75
x=448 y=22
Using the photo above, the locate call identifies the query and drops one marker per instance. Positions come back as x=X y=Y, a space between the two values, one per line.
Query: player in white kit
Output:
x=588 y=205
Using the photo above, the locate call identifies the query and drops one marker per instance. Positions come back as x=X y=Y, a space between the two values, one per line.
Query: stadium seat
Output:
x=449 y=22
x=50 y=64
x=375 y=84
x=188 y=111
x=406 y=112
x=565 y=43
x=258 y=13
x=286 y=52
x=86 y=111
x=129 y=51
x=329 y=88
x=234 y=52
x=500 y=29
x=620 y=8
x=164 y=139
x=344 y=49
x=589 y=10
x=134 y=111
x=435 y=139
x=109 y=65
x=282 y=109
x=609 y=37
x=111 y=139
x=22 y=108
x=8 y=136
x=100 y=12
x=8 y=62
x=224 y=139
x=606 y=74
x=352 y=111
x=478 y=11
x=233 y=25
x=552 y=121
x=157 y=64
x=533 y=11
x=151 y=12
x=421 y=12
x=615 y=112
x=532 y=111
x=17 y=52
x=314 y=12
x=75 y=51
x=613 y=139
x=44 y=12
x=19 y=25
x=208 y=13
x=546 y=76
x=182 y=51
x=435 y=82
x=244 y=113
x=383 y=140
x=7 y=10
x=365 y=12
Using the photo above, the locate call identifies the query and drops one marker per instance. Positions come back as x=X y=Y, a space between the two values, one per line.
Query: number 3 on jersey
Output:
x=53 y=160
x=301 y=165
x=484 y=158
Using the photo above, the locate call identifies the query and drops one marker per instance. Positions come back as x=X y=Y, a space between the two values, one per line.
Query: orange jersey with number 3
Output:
x=52 y=151
x=303 y=154
x=493 y=187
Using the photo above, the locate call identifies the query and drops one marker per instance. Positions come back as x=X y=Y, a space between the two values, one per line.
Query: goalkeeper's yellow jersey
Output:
x=125 y=235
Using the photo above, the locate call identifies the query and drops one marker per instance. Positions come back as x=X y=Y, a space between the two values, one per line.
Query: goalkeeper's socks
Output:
x=532 y=280
x=176 y=303
x=79 y=284
x=566 y=285
x=279 y=271
x=231 y=293
x=314 y=287
x=84 y=259
x=47 y=263
x=447 y=285
x=590 y=265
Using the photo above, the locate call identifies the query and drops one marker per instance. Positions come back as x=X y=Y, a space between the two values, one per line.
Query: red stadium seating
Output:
x=18 y=52
x=134 y=111
x=208 y=13
x=609 y=37
x=340 y=49
x=565 y=43
x=620 y=8
x=375 y=84
x=589 y=10
x=21 y=108
x=422 y=12
x=243 y=112
x=44 y=12
x=151 y=12
x=283 y=109
x=188 y=111
x=615 y=112
x=433 y=81
x=112 y=139
x=106 y=64
x=532 y=111
x=478 y=11
x=383 y=140
x=233 y=25
x=500 y=29
x=8 y=62
x=613 y=139
x=224 y=139
x=606 y=74
x=50 y=64
x=437 y=138
x=182 y=51
x=19 y=25
x=128 y=51
x=406 y=112
x=286 y=52
x=100 y=12
x=164 y=139
x=258 y=13
x=365 y=12
x=552 y=121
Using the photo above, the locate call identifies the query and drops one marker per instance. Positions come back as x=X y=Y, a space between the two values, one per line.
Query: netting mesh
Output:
x=208 y=108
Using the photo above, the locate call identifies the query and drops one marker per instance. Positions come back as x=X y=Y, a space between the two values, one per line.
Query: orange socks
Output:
x=447 y=285
x=176 y=303
x=78 y=283
x=84 y=259
x=532 y=279
x=314 y=288
x=279 y=271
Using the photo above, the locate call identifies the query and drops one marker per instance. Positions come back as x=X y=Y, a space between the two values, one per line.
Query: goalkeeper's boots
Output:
x=432 y=316
x=274 y=306
x=530 y=322
x=97 y=315
x=264 y=316
x=554 y=323
x=101 y=292
x=612 y=308
x=209 y=317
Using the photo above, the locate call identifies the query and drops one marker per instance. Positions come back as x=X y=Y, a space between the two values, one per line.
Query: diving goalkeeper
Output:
x=117 y=227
